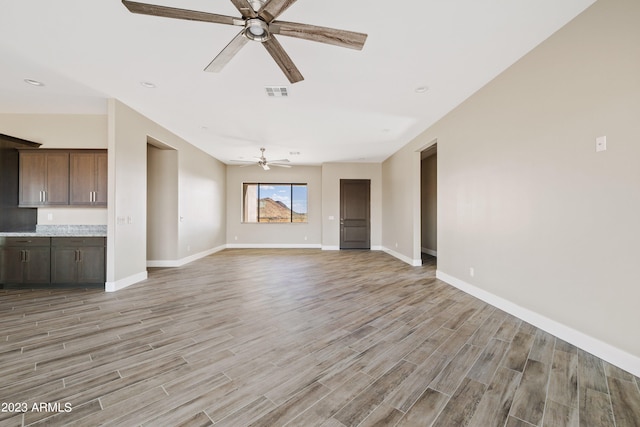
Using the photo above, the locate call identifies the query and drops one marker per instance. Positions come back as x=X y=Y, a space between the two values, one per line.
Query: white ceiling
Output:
x=352 y=105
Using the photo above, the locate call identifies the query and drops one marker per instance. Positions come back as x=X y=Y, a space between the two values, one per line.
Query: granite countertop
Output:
x=60 y=231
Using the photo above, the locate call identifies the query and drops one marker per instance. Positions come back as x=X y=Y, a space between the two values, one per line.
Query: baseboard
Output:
x=429 y=252
x=586 y=342
x=401 y=257
x=274 y=246
x=337 y=248
x=123 y=283
x=183 y=261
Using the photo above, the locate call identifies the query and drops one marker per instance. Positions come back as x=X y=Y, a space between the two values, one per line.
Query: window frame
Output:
x=291 y=185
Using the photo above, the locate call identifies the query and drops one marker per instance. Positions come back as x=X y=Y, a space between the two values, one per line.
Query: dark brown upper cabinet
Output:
x=63 y=177
x=44 y=178
x=88 y=178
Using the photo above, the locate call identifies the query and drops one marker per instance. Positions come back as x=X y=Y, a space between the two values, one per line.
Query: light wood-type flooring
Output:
x=296 y=338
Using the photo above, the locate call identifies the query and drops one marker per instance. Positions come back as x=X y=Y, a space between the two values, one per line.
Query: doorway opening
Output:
x=429 y=204
x=355 y=214
x=162 y=203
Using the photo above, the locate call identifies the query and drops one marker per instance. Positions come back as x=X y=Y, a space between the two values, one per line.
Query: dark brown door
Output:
x=355 y=208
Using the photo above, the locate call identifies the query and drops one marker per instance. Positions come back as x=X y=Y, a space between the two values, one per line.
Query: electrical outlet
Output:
x=471 y=272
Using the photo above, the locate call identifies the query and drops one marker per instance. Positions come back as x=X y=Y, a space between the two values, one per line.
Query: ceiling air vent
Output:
x=277 y=91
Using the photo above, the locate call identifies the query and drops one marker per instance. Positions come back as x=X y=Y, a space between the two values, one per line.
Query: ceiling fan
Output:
x=259 y=24
x=262 y=162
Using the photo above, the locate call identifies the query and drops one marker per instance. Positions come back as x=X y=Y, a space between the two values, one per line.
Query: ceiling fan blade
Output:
x=273 y=8
x=227 y=53
x=279 y=165
x=342 y=38
x=279 y=161
x=172 y=12
x=244 y=7
x=285 y=63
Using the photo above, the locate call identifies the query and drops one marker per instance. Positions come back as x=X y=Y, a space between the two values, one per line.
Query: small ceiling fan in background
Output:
x=259 y=24
x=262 y=162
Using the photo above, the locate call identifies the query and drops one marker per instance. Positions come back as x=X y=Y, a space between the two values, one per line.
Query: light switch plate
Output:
x=601 y=143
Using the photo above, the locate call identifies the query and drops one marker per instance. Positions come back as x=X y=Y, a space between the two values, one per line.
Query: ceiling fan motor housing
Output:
x=257 y=30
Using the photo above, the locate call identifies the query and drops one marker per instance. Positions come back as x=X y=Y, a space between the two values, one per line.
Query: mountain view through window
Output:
x=274 y=203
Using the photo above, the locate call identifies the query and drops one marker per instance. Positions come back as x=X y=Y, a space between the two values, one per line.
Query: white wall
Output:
x=61 y=131
x=274 y=235
x=332 y=173
x=201 y=204
x=549 y=225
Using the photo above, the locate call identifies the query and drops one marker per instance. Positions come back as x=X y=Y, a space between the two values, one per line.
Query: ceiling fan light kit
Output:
x=260 y=25
x=257 y=30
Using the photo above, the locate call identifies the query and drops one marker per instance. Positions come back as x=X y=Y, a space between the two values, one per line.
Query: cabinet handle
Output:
x=26 y=256
x=21 y=256
x=44 y=195
x=79 y=256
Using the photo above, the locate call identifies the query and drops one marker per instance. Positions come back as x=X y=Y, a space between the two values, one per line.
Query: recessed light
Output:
x=33 y=82
x=422 y=89
x=148 y=85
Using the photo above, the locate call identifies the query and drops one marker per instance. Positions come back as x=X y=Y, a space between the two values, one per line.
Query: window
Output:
x=274 y=202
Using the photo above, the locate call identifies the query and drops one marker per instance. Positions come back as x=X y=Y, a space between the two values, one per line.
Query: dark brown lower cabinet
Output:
x=52 y=260
x=25 y=260
x=77 y=260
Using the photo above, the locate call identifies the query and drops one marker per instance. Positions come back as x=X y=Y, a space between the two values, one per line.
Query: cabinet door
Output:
x=91 y=268
x=100 y=196
x=57 y=191
x=37 y=265
x=88 y=174
x=11 y=261
x=44 y=178
x=64 y=265
x=82 y=174
x=33 y=168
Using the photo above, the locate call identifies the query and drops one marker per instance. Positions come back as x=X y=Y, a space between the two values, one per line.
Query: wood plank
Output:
x=495 y=404
x=625 y=399
x=557 y=414
x=595 y=409
x=460 y=408
x=516 y=357
x=529 y=401
x=425 y=410
x=488 y=362
x=563 y=380
x=360 y=407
